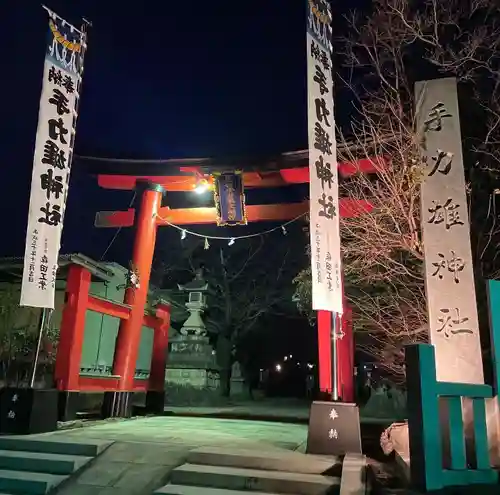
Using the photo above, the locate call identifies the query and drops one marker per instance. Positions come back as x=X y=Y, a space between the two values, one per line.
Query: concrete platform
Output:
x=36 y=464
x=251 y=480
x=28 y=483
x=196 y=490
x=354 y=475
x=272 y=460
x=51 y=444
x=41 y=462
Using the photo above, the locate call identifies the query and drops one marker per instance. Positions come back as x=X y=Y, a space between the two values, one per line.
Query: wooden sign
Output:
x=27 y=410
x=229 y=199
x=334 y=429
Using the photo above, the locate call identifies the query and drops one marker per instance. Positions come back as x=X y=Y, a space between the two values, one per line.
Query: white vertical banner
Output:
x=52 y=162
x=324 y=186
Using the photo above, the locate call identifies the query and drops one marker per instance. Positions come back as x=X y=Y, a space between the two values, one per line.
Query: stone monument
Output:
x=448 y=262
x=191 y=360
x=237 y=380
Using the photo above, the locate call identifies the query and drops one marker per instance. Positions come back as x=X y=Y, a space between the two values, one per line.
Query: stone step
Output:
x=27 y=483
x=273 y=460
x=354 y=475
x=196 y=490
x=251 y=479
x=51 y=446
x=41 y=462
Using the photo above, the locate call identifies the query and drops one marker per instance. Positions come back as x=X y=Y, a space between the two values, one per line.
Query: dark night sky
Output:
x=162 y=79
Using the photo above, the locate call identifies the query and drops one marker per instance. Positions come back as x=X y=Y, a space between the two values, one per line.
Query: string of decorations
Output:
x=231 y=240
x=117 y=233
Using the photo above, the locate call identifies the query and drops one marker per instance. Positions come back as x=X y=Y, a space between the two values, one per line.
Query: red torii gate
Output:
x=292 y=168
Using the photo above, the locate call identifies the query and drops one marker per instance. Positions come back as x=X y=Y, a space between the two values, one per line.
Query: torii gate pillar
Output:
x=344 y=365
x=129 y=334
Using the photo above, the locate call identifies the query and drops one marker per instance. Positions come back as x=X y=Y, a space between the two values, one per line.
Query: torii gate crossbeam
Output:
x=184 y=177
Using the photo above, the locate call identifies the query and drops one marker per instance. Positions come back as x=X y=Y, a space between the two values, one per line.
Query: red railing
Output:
x=69 y=352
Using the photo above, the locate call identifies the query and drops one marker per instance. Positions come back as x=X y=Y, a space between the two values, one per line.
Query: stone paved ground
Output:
x=147 y=449
x=294 y=410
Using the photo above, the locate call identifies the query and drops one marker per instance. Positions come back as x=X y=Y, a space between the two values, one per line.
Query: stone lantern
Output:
x=196 y=304
x=191 y=360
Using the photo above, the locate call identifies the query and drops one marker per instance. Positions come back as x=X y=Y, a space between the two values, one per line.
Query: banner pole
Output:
x=335 y=386
x=44 y=320
x=52 y=13
x=84 y=32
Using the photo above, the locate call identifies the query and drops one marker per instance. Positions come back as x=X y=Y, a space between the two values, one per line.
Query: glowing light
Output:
x=202 y=187
x=231 y=242
x=278 y=367
x=183 y=235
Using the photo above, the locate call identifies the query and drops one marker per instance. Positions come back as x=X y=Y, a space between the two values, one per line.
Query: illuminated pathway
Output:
x=146 y=450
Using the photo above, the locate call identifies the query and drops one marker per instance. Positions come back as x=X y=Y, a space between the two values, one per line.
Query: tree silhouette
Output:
x=247 y=281
x=380 y=57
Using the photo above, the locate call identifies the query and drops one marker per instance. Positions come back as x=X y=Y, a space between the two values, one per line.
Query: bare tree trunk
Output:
x=224 y=361
x=225 y=381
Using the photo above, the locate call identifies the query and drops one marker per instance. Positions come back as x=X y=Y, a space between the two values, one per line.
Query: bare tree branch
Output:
x=381 y=57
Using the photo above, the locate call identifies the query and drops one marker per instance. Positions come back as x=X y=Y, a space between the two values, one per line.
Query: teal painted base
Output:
x=427 y=396
x=426 y=433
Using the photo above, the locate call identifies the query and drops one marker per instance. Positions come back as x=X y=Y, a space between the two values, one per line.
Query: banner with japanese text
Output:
x=324 y=187
x=52 y=162
x=449 y=271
